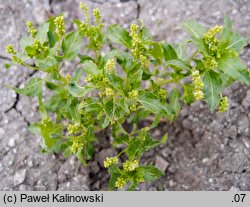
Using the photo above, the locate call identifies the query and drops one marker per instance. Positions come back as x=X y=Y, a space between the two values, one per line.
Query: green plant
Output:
x=123 y=86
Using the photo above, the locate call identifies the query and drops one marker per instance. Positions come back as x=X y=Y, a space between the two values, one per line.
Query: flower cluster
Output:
x=145 y=62
x=120 y=182
x=110 y=161
x=110 y=65
x=223 y=106
x=212 y=41
x=60 y=26
x=31 y=29
x=41 y=50
x=198 y=85
x=136 y=41
x=210 y=63
x=133 y=94
x=133 y=107
x=91 y=31
x=77 y=145
x=74 y=128
x=129 y=166
x=109 y=92
x=11 y=50
x=162 y=94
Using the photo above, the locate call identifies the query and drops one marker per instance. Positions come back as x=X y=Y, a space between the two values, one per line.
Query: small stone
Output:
x=11 y=142
x=204 y=160
x=161 y=163
x=19 y=177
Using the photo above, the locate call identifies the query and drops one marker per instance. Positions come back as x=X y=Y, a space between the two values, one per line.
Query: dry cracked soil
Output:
x=205 y=151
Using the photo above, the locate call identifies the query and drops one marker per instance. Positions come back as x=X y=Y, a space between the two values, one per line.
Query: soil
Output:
x=205 y=150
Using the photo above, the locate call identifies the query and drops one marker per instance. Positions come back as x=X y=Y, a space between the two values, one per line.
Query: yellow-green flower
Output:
x=110 y=161
x=133 y=107
x=198 y=85
x=60 y=25
x=120 y=182
x=77 y=145
x=10 y=50
x=109 y=92
x=133 y=94
x=210 y=63
x=210 y=36
x=110 y=65
x=97 y=15
x=145 y=62
x=31 y=29
x=162 y=93
x=85 y=11
x=223 y=106
x=74 y=128
x=129 y=166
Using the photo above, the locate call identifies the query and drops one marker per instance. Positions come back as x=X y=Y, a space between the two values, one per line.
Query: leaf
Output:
x=156 y=50
x=151 y=102
x=200 y=44
x=119 y=35
x=174 y=98
x=42 y=33
x=195 y=29
x=33 y=88
x=24 y=42
x=77 y=91
x=47 y=64
x=212 y=88
x=115 y=81
x=169 y=52
x=233 y=67
x=149 y=173
x=105 y=122
x=236 y=42
x=145 y=35
x=83 y=58
x=227 y=22
x=91 y=68
x=71 y=45
x=188 y=95
x=114 y=172
x=177 y=64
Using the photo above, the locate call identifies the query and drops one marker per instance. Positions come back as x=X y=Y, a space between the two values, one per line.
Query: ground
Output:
x=205 y=150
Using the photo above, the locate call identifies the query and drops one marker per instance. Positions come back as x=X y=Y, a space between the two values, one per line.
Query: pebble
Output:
x=19 y=177
x=161 y=163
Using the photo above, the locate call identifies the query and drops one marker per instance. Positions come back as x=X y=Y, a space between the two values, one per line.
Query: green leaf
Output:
x=156 y=50
x=91 y=68
x=227 y=22
x=77 y=91
x=188 y=95
x=151 y=102
x=177 y=64
x=42 y=33
x=105 y=122
x=149 y=173
x=24 y=42
x=145 y=35
x=71 y=45
x=114 y=172
x=53 y=103
x=33 y=88
x=174 y=99
x=195 y=29
x=47 y=64
x=169 y=52
x=233 y=67
x=200 y=44
x=212 y=88
x=115 y=81
x=119 y=35
x=237 y=42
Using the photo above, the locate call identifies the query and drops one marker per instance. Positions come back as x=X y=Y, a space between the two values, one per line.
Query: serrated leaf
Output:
x=149 y=173
x=233 y=67
x=119 y=35
x=91 y=68
x=169 y=52
x=33 y=88
x=212 y=88
x=195 y=29
x=71 y=45
x=77 y=91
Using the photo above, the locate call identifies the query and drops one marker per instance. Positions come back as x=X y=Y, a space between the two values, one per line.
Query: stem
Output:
x=31 y=67
x=194 y=54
